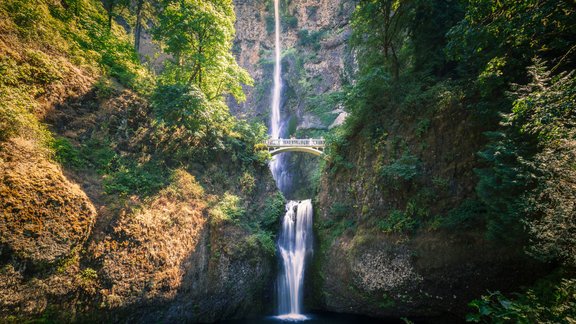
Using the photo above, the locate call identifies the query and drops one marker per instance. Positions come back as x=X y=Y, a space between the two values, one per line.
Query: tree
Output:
x=545 y=108
x=514 y=31
x=530 y=184
x=199 y=35
x=138 y=26
x=112 y=6
x=380 y=31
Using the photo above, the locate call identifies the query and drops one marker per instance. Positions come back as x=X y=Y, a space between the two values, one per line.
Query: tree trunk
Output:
x=395 y=65
x=110 y=9
x=138 y=27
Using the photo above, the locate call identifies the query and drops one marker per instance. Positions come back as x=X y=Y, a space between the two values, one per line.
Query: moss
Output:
x=34 y=194
x=272 y=212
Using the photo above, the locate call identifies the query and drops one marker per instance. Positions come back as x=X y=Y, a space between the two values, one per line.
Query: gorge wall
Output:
x=316 y=63
x=91 y=228
x=399 y=231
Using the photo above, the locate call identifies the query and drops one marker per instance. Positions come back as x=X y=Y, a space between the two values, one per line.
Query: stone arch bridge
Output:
x=311 y=145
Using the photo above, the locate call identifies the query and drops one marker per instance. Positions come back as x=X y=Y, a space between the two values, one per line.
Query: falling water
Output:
x=277 y=72
x=295 y=245
x=295 y=240
x=278 y=165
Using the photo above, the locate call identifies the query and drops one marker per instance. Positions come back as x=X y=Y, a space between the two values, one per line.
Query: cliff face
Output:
x=316 y=62
x=398 y=231
x=74 y=244
x=71 y=252
x=314 y=50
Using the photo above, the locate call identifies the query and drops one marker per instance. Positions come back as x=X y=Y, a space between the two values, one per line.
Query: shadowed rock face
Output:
x=430 y=274
x=422 y=269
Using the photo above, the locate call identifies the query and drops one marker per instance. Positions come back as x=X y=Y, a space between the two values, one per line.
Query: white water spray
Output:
x=275 y=123
x=295 y=245
x=278 y=164
x=295 y=240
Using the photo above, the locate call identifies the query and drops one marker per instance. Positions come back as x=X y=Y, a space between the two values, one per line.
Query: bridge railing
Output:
x=311 y=142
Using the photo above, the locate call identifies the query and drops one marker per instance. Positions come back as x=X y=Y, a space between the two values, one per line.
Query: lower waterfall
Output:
x=295 y=246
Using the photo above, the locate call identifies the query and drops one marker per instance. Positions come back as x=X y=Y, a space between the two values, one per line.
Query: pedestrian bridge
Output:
x=311 y=145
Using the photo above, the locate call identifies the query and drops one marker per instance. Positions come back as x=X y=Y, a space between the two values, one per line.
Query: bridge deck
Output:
x=309 y=145
x=311 y=142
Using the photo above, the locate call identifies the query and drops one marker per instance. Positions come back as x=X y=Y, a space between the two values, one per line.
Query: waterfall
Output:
x=275 y=124
x=294 y=244
x=295 y=239
x=278 y=165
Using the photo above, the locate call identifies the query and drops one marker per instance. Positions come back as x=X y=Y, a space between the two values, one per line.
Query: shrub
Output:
x=265 y=239
x=556 y=303
x=397 y=222
x=466 y=215
x=227 y=209
x=407 y=167
x=65 y=153
x=340 y=210
x=247 y=182
x=289 y=22
x=310 y=38
x=274 y=209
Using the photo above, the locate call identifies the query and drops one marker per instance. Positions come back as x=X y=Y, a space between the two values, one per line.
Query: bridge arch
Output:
x=310 y=150
x=312 y=146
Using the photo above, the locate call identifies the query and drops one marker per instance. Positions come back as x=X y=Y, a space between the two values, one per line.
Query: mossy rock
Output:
x=43 y=216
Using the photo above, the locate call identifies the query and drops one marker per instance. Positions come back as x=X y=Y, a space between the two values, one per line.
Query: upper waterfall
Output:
x=275 y=124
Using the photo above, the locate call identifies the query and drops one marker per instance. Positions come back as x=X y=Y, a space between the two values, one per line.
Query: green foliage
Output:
x=554 y=304
x=289 y=22
x=245 y=144
x=338 y=227
x=122 y=175
x=335 y=143
x=247 y=182
x=501 y=186
x=88 y=274
x=469 y=213
x=265 y=240
x=397 y=222
x=199 y=35
x=530 y=168
x=25 y=15
x=422 y=127
x=272 y=212
x=187 y=106
x=545 y=107
x=189 y=100
x=125 y=176
x=228 y=209
x=270 y=23
x=310 y=38
x=407 y=167
x=406 y=221
x=63 y=34
x=188 y=123
x=340 y=210
x=66 y=153
x=517 y=30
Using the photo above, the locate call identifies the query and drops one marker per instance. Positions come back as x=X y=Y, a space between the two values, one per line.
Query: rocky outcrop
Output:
x=45 y=220
x=69 y=252
x=427 y=275
x=43 y=216
x=167 y=261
